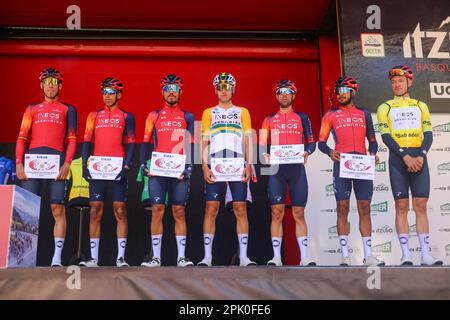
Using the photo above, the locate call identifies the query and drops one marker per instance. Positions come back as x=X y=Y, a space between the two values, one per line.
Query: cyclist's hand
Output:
x=335 y=155
x=20 y=172
x=63 y=172
x=208 y=175
x=305 y=157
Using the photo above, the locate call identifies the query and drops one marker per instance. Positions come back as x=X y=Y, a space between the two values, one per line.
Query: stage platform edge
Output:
x=226 y=283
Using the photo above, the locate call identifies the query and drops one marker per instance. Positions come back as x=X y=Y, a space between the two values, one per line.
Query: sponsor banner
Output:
x=104 y=168
x=374 y=37
x=167 y=164
x=285 y=154
x=41 y=166
x=227 y=169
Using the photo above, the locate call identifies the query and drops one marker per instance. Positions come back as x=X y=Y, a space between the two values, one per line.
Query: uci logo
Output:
x=440 y=90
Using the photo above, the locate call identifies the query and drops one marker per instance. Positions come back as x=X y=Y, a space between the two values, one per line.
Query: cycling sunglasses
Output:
x=50 y=81
x=224 y=86
x=172 y=87
x=108 y=90
x=285 y=91
x=343 y=90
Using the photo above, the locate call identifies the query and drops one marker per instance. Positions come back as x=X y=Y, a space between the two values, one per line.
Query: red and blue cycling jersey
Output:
x=110 y=131
x=49 y=125
x=287 y=128
x=171 y=129
x=350 y=127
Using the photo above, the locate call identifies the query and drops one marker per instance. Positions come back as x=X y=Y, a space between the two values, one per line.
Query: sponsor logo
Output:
x=445 y=207
x=41 y=165
x=226 y=168
x=383 y=248
x=326 y=170
x=103 y=167
x=444 y=167
x=436 y=37
x=353 y=165
x=220 y=117
x=382 y=149
x=48 y=115
x=380 y=207
x=442 y=188
x=443 y=149
x=447 y=248
x=442 y=127
x=413 y=230
x=381 y=187
x=339 y=250
x=444 y=230
x=329 y=189
x=328 y=210
x=165 y=163
x=103 y=121
x=384 y=229
x=171 y=124
x=333 y=233
x=284 y=126
x=381 y=167
x=376 y=127
x=440 y=90
x=285 y=153
x=372 y=45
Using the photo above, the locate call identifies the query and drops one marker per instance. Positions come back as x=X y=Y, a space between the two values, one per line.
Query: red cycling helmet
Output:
x=51 y=72
x=348 y=82
x=286 y=84
x=401 y=70
x=113 y=83
x=172 y=79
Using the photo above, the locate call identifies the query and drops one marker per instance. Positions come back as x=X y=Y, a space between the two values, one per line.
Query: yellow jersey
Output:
x=80 y=187
x=405 y=119
x=225 y=128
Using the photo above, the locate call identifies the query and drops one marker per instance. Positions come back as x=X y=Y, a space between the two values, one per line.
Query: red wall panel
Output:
x=141 y=64
x=256 y=66
x=330 y=66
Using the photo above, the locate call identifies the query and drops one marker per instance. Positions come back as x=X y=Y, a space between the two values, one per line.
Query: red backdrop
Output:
x=140 y=65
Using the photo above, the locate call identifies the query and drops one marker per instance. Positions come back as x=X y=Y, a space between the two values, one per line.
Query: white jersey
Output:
x=225 y=128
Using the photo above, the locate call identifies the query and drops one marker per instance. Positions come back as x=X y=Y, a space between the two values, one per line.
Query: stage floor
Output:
x=224 y=283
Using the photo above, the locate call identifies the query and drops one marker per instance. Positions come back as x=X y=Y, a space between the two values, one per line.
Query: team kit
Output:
x=49 y=132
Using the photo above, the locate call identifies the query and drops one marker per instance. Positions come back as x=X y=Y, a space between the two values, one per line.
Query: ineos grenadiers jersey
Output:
x=110 y=131
x=350 y=127
x=405 y=120
x=286 y=129
x=169 y=127
x=226 y=128
x=48 y=124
